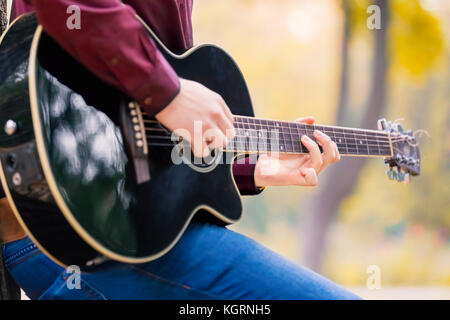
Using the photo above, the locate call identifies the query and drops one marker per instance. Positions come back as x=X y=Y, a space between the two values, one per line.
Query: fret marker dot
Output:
x=340 y=140
x=360 y=142
x=281 y=147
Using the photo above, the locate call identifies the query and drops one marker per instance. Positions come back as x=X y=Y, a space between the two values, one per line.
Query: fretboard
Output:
x=255 y=135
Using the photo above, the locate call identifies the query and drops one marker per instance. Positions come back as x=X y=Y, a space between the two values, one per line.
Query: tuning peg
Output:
x=382 y=124
x=412 y=161
x=399 y=127
x=403 y=159
x=400 y=176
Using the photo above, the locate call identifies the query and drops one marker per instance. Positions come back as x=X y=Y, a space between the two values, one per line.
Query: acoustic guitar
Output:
x=91 y=177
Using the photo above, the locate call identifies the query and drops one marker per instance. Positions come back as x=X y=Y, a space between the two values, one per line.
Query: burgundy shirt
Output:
x=114 y=46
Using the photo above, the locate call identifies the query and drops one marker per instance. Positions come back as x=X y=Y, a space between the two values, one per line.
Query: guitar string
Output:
x=296 y=134
x=344 y=152
x=368 y=134
x=246 y=138
x=356 y=147
x=270 y=123
x=329 y=129
x=370 y=149
x=365 y=143
x=350 y=147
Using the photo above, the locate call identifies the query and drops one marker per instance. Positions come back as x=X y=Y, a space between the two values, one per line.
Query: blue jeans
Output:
x=209 y=262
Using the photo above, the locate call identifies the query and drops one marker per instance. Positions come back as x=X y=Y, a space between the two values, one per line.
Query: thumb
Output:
x=310 y=176
x=307 y=120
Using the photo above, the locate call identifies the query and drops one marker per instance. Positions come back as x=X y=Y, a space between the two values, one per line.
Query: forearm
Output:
x=113 y=45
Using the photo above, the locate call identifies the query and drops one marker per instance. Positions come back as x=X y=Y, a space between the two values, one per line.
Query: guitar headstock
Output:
x=405 y=160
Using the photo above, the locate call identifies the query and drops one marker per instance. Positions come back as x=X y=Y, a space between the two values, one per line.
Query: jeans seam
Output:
x=173 y=283
x=20 y=254
x=87 y=288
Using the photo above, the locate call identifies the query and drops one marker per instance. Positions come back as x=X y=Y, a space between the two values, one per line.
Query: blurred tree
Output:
x=340 y=179
x=414 y=44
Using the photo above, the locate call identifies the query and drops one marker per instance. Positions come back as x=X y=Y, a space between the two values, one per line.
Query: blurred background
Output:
x=318 y=57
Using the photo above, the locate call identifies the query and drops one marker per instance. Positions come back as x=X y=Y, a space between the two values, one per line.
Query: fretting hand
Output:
x=300 y=170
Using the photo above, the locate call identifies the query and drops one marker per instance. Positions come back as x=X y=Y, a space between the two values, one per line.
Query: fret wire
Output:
x=242 y=150
x=356 y=145
x=343 y=135
x=338 y=135
x=379 y=134
x=336 y=139
x=301 y=144
x=353 y=138
x=373 y=133
x=370 y=142
x=255 y=139
x=383 y=152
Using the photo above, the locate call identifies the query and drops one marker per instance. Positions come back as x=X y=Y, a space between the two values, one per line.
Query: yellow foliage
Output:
x=289 y=52
x=416 y=39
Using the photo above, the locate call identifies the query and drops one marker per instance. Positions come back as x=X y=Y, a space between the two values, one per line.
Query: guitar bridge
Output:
x=135 y=139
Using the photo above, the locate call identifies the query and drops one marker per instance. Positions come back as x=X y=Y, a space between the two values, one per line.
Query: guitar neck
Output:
x=255 y=135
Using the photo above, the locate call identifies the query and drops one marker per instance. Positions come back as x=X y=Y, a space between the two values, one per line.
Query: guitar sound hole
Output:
x=11 y=162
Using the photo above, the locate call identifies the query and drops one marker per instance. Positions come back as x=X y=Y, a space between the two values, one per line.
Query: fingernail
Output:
x=319 y=133
x=306 y=138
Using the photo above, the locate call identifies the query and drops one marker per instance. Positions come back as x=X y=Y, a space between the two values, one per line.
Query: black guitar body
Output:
x=66 y=169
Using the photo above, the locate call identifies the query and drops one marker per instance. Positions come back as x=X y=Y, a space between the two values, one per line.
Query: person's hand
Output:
x=300 y=170
x=200 y=116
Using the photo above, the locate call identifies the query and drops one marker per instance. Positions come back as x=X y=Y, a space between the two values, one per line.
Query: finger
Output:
x=215 y=138
x=197 y=145
x=227 y=110
x=206 y=151
x=309 y=177
x=329 y=151
x=307 y=120
x=337 y=155
x=314 y=152
x=227 y=129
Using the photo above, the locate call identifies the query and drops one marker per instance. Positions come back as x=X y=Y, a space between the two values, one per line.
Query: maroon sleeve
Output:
x=243 y=172
x=20 y=7
x=114 y=45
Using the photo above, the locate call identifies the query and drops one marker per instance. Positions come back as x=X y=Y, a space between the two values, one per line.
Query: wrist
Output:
x=259 y=177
